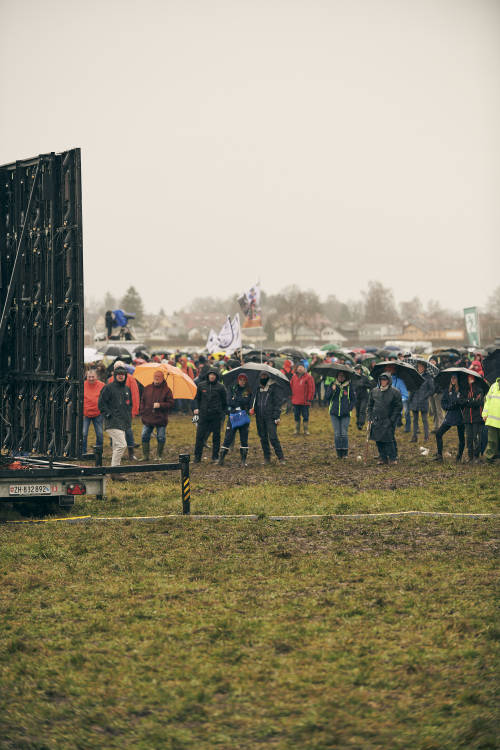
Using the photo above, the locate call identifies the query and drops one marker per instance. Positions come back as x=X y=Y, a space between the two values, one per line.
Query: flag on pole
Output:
x=212 y=342
x=228 y=339
x=471 y=317
x=250 y=306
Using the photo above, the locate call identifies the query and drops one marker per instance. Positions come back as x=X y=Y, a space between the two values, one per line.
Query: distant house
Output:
x=318 y=330
x=378 y=331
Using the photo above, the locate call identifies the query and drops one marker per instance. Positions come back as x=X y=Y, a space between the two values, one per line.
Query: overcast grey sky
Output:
x=323 y=143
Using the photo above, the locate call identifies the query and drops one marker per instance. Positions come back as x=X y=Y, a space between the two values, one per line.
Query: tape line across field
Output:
x=255 y=517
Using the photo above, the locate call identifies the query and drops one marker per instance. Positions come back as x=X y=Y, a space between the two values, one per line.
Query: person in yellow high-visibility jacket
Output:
x=491 y=415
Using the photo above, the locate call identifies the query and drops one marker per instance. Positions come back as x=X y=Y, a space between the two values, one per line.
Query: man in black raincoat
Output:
x=210 y=406
x=267 y=409
x=384 y=410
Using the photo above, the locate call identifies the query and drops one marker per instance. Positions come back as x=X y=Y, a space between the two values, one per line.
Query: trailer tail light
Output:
x=76 y=489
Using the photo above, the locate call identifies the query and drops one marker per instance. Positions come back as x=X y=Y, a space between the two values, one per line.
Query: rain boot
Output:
x=297 y=428
x=223 y=454
x=145 y=451
x=339 y=453
x=244 y=454
x=131 y=455
x=306 y=428
x=159 y=450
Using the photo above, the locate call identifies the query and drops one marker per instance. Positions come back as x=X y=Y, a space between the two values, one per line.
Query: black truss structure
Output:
x=41 y=306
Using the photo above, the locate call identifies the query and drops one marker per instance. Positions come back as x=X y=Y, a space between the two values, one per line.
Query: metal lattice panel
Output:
x=41 y=305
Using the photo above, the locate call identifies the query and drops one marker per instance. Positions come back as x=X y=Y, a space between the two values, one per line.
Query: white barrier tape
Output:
x=255 y=517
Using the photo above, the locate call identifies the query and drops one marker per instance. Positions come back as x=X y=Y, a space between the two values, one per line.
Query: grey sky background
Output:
x=323 y=143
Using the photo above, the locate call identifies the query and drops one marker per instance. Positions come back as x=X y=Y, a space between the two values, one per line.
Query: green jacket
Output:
x=491 y=410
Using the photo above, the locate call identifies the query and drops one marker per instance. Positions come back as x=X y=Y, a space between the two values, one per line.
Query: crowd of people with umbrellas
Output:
x=385 y=389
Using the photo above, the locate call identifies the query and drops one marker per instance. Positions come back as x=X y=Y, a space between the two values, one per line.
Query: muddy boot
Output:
x=297 y=428
x=159 y=450
x=437 y=457
x=145 y=451
x=244 y=454
x=223 y=454
x=306 y=428
x=339 y=453
x=131 y=455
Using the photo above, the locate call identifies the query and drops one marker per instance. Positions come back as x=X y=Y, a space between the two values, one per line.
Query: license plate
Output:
x=30 y=489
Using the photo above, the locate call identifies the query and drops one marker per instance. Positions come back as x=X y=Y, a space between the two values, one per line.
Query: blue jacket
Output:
x=399 y=384
x=342 y=399
x=419 y=400
x=450 y=401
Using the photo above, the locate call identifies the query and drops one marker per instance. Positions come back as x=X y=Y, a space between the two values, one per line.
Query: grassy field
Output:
x=327 y=633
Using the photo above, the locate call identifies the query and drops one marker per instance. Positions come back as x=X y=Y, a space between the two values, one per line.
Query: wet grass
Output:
x=328 y=633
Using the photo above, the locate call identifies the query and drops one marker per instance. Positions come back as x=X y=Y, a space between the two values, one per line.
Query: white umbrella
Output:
x=91 y=355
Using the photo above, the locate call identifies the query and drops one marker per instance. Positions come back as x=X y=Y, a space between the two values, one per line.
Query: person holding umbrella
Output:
x=419 y=402
x=342 y=399
x=156 y=402
x=240 y=400
x=362 y=389
x=267 y=410
x=471 y=401
x=450 y=402
x=384 y=410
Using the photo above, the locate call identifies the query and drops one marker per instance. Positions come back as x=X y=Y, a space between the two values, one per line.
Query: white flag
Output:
x=212 y=342
x=235 y=326
x=226 y=335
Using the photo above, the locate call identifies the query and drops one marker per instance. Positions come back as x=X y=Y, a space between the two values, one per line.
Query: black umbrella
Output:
x=491 y=365
x=293 y=353
x=113 y=350
x=333 y=368
x=430 y=369
x=410 y=377
x=252 y=370
x=444 y=377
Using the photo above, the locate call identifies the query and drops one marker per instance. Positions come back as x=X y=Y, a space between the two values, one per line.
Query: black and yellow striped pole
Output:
x=185 y=483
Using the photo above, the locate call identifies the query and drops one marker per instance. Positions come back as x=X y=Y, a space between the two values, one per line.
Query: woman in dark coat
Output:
x=240 y=400
x=384 y=410
x=450 y=401
x=471 y=401
x=419 y=402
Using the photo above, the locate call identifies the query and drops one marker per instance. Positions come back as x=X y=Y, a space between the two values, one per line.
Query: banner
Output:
x=228 y=339
x=212 y=342
x=471 y=317
x=250 y=306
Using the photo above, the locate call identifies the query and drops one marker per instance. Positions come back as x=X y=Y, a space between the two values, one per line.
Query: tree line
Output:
x=303 y=307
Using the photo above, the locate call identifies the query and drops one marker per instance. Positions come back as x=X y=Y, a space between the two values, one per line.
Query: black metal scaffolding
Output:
x=41 y=305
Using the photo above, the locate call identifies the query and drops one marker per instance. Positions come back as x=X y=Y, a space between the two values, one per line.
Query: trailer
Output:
x=42 y=339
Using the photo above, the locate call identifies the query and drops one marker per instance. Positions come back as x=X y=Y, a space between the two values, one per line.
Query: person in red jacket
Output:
x=156 y=402
x=91 y=414
x=131 y=382
x=303 y=388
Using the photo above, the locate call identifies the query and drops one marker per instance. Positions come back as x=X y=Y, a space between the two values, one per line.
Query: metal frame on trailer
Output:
x=41 y=305
x=46 y=470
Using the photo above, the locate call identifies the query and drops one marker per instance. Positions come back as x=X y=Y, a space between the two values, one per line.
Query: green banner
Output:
x=471 y=317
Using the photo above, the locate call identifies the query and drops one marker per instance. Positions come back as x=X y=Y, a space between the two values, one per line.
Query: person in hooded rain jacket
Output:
x=450 y=402
x=115 y=403
x=267 y=410
x=491 y=415
x=471 y=401
x=303 y=388
x=419 y=402
x=384 y=410
x=210 y=406
x=399 y=383
x=240 y=400
x=342 y=399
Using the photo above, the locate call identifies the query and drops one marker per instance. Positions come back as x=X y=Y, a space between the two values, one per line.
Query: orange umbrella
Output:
x=181 y=385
